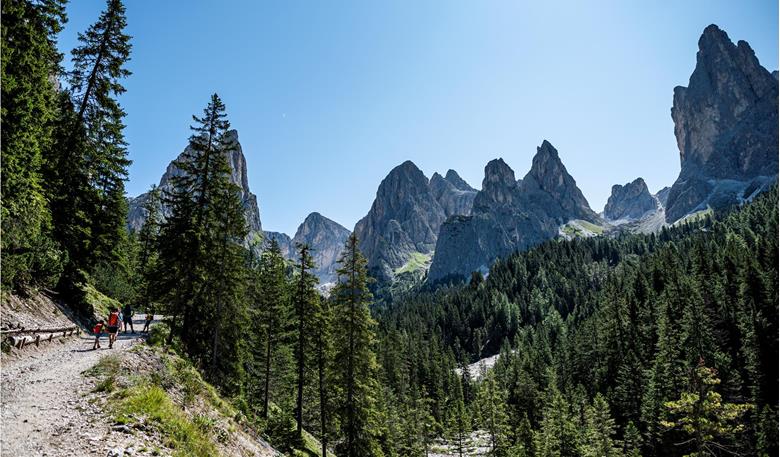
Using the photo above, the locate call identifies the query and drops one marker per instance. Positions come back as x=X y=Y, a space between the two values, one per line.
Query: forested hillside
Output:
x=641 y=345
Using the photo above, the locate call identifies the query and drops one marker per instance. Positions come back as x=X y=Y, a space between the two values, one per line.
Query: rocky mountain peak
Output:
x=548 y=183
x=454 y=178
x=630 y=201
x=326 y=238
x=548 y=170
x=404 y=218
x=725 y=123
x=238 y=175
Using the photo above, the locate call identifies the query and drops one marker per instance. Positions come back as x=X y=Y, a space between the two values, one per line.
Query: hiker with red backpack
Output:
x=97 y=330
x=113 y=326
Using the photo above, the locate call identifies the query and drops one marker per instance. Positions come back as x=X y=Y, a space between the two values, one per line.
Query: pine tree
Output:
x=356 y=372
x=30 y=66
x=492 y=404
x=88 y=165
x=306 y=301
x=324 y=357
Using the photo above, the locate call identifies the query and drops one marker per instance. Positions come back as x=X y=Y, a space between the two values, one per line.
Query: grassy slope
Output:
x=185 y=410
x=417 y=261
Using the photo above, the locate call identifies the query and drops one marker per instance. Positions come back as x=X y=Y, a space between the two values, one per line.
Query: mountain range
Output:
x=726 y=125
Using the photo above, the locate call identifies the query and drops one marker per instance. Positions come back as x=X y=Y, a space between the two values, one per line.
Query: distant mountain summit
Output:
x=326 y=239
x=453 y=193
x=509 y=215
x=403 y=223
x=726 y=124
x=629 y=202
x=238 y=175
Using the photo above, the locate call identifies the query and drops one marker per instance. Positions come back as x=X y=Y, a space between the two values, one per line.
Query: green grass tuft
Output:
x=186 y=437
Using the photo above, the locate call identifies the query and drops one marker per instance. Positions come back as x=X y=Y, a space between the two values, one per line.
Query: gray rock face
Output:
x=284 y=241
x=629 y=202
x=406 y=216
x=662 y=195
x=453 y=193
x=326 y=239
x=237 y=162
x=510 y=215
x=726 y=124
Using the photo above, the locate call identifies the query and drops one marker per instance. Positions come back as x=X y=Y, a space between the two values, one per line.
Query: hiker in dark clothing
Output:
x=127 y=317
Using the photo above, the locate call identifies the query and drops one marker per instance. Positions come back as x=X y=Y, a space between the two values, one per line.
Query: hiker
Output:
x=98 y=330
x=148 y=320
x=113 y=326
x=127 y=317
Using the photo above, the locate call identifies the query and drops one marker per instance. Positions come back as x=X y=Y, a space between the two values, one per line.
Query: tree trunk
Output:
x=267 y=375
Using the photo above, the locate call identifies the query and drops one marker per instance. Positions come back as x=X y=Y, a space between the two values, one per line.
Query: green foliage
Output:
x=30 y=65
x=702 y=414
x=356 y=370
x=182 y=434
x=87 y=165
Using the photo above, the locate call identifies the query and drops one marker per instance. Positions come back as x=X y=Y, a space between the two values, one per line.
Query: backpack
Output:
x=98 y=328
x=113 y=319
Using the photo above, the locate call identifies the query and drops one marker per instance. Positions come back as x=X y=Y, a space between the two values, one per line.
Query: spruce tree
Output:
x=356 y=372
x=30 y=67
x=88 y=164
x=306 y=301
x=201 y=274
x=271 y=310
x=148 y=241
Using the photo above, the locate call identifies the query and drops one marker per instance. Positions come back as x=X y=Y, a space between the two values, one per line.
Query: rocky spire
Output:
x=725 y=122
x=238 y=175
x=326 y=238
x=404 y=218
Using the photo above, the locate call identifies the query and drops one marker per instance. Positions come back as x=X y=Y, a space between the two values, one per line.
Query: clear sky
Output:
x=328 y=96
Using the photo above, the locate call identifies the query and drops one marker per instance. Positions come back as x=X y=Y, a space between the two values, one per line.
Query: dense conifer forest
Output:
x=656 y=345
x=636 y=344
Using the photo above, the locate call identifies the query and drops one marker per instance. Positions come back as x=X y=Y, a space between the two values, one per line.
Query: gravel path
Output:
x=45 y=410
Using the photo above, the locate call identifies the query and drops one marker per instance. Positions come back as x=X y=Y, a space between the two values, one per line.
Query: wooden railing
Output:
x=19 y=337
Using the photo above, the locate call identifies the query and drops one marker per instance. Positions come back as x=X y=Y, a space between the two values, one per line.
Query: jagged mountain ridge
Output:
x=406 y=215
x=510 y=214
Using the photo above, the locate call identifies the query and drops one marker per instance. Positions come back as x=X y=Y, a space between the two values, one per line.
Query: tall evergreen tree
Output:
x=148 y=242
x=356 y=372
x=271 y=310
x=201 y=272
x=88 y=164
x=30 y=67
x=306 y=301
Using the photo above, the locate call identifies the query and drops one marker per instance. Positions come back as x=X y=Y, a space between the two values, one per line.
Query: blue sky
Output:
x=329 y=96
